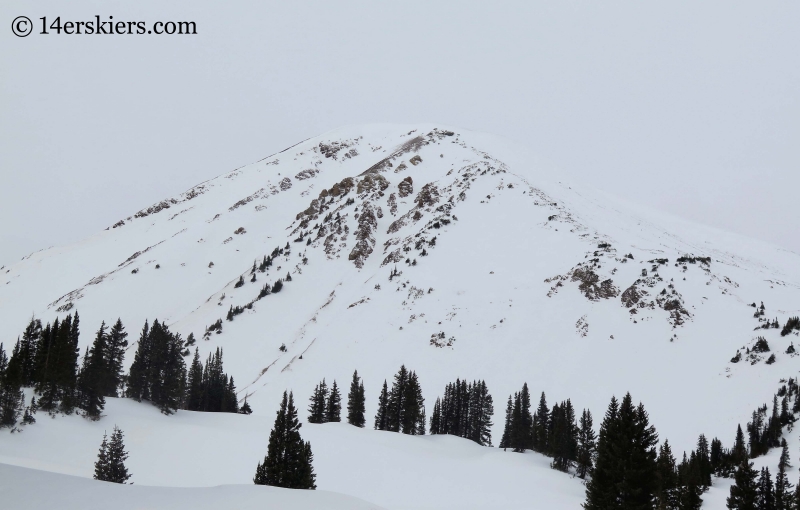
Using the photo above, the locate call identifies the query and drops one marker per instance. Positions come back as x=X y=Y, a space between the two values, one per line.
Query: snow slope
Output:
x=392 y=470
x=527 y=280
x=22 y=489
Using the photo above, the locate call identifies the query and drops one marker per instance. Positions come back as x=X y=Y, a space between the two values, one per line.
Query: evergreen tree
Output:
x=436 y=423
x=541 y=427
x=138 y=387
x=114 y=358
x=245 y=409
x=396 y=405
x=783 y=488
x=11 y=396
x=625 y=474
x=110 y=465
x=586 y=444
x=504 y=440
x=333 y=408
x=381 y=417
x=94 y=376
x=194 y=384
x=356 y=402
x=668 y=494
x=766 y=493
x=288 y=462
x=744 y=491
x=317 y=404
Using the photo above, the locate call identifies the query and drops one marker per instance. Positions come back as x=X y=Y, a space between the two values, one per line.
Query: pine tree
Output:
x=94 y=376
x=541 y=425
x=288 y=462
x=138 y=387
x=504 y=440
x=245 y=409
x=436 y=423
x=333 y=408
x=766 y=493
x=783 y=488
x=11 y=396
x=194 y=384
x=668 y=493
x=114 y=358
x=110 y=465
x=744 y=491
x=396 y=404
x=381 y=417
x=586 y=444
x=356 y=402
x=317 y=404
x=625 y=474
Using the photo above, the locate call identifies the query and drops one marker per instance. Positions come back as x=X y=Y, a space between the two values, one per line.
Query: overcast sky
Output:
x=689 y=107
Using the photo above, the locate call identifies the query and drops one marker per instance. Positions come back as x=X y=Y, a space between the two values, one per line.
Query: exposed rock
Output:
x=406 y=187
x=365 y=238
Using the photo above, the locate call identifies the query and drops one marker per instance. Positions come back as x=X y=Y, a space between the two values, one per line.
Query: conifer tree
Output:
x=541 y=427
x=11 y=396
x=356 y=402
x=138 y=387
x=744 y=491
x=436 y=423
x=504 y=440
x=245 y=409
x=766 y=493
x=783 y=488
x=333 y=407
x=110 y=465
x=94 y=376
x=625 y=474
x=381 y=417
x=114 y=358
x=194 y=383
x=317 y=404
x=587 y=444
x=668 y=493
x=288 y=462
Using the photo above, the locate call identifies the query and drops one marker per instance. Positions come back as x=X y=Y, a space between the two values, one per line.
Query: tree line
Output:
x=46 y=358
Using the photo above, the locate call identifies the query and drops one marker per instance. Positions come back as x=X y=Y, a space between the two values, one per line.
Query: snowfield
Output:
x=484 y=266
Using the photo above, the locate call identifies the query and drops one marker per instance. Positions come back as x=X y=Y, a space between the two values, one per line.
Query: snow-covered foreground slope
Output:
x=23 y=489
x=392 y=470
x=451 y=252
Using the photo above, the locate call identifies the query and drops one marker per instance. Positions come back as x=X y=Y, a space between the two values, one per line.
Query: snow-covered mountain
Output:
x=452 y=252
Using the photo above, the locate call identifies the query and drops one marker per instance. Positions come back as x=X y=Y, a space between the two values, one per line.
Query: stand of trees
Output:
x=465 y=411
x=158 y=372
x=209 y=388
x=288 y=462
x=325 y=405
x=110 y=465
x=402 y=409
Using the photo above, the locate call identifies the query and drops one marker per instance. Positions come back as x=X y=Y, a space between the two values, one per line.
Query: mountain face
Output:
x=448 y=251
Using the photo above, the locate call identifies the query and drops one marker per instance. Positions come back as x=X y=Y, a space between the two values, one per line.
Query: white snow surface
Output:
x=480 y=294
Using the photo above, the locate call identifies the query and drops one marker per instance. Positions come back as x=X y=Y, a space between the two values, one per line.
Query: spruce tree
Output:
x=586 y=444
x=668 y=493
x=288 y=462
x=94 y=376
x=194 y=384
x=110 y=465
x=744 y=491
x=11 y=396
x=381 y=417
x=783 y=488
x=541 y=425
x=138 y=387
x=396 y=404
x=504 y=440
x=356 y=402
x=625 y=473
x=766 y=493
x=436 y=422
x=114 y=358
x=317 y=404
x=333 y=407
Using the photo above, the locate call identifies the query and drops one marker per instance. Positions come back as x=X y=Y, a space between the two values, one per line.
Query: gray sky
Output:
x=690 y=107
